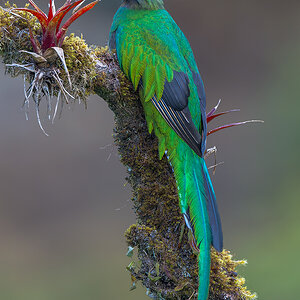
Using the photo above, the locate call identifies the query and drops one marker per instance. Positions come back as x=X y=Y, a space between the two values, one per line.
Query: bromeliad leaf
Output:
x=53 y=35
x=53 y=53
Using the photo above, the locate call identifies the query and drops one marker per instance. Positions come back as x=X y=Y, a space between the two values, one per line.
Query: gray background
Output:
x=64 y=203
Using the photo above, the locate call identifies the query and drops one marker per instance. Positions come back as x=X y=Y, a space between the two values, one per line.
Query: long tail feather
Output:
x=204 y=271
x=198 y=206
x=213 y=212
x=204 y=244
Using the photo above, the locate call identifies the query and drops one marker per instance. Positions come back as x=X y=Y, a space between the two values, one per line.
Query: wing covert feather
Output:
x=201 y=94
x=142 y=63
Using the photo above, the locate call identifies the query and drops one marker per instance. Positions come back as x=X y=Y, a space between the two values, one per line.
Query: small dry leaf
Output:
x=54 y=52
x=37 y=58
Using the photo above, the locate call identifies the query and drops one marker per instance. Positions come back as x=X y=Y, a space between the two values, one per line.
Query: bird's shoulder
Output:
x=151 y=47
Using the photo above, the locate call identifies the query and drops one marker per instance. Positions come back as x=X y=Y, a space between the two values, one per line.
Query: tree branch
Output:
x=163 y=259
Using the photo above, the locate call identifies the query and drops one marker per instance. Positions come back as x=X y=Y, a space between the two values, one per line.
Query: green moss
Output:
x=81 y=62
x=14 y=33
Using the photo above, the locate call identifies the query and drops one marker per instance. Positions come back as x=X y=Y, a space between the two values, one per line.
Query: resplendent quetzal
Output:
x=156 y=56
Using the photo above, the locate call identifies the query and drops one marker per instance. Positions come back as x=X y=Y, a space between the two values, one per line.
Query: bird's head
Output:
x=144 y=4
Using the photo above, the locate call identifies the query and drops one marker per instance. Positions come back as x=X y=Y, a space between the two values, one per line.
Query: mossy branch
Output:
x=166 y=267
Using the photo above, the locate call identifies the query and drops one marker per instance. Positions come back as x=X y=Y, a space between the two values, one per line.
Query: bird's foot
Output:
x=193 y=243
x=208 y=153
x=211 y=151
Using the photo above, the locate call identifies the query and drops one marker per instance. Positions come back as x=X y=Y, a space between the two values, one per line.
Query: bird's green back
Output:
x=150 y=54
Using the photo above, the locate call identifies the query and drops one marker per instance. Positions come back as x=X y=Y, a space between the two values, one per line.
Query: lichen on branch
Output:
x=161 y=257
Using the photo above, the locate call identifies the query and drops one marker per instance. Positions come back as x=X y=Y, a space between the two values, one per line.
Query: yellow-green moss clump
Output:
x=166 y=265
x=224 y=279
x=171 y=272
x=14 y=32
x=81 y=63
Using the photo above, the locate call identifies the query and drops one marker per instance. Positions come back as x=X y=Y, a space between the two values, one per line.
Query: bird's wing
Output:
x=149 y=64
x=173 y=106
x=202 y=97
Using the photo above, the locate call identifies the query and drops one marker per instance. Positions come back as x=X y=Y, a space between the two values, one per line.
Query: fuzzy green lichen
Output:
x=166 y=265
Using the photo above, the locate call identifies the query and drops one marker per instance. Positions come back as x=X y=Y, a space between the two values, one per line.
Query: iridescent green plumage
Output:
x=155 y=55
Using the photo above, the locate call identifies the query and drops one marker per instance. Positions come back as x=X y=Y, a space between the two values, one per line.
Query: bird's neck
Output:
x=144 y=4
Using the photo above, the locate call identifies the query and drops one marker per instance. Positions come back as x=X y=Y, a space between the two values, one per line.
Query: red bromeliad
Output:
x=43 y=74
x=53 y=32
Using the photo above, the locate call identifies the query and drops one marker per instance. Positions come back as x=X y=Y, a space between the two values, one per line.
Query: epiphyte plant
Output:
x=44 y=79
x=53 y=32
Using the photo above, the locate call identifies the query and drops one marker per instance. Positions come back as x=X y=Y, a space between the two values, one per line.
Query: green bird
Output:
x=156 y=56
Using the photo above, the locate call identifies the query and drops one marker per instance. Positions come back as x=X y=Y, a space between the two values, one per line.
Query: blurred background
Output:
x=65 y=204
